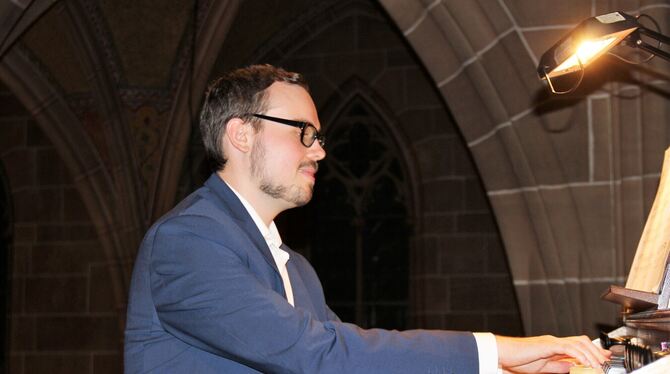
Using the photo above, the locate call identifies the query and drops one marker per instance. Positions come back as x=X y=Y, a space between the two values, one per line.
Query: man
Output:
x=215 y=291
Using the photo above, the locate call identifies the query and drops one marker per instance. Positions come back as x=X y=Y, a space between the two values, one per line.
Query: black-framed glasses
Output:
x=308 y=133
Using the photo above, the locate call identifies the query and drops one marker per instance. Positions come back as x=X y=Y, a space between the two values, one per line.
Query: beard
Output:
x=292 y=193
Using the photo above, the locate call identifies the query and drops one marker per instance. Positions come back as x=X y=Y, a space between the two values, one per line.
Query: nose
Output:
x=316 y=151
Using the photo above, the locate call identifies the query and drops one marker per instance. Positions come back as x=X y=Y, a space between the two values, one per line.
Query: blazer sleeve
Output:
x=207 y=294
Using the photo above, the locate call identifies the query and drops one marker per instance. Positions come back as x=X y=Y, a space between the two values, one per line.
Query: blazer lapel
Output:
x=301 y=296
x=237 y=210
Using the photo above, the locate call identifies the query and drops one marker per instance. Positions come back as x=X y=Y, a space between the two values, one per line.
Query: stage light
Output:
x=591 y=39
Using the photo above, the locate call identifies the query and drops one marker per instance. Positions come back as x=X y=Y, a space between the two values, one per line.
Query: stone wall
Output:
x=570 y=177
x=62 y=317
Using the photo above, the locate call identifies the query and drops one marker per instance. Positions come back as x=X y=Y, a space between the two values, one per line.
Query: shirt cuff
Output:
x=487 y=349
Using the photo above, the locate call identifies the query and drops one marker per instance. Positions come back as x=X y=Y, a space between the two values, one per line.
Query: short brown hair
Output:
x=236 y=95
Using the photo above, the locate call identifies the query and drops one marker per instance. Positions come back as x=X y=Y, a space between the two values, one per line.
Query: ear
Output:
x=239 y=134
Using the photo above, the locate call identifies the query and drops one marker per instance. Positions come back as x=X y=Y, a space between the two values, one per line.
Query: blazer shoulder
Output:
x=201 y=203
x=198 y=214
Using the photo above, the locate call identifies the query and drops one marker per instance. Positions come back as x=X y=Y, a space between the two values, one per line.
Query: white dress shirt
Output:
x=486 y=342
x=272 y=238
x=487 y=349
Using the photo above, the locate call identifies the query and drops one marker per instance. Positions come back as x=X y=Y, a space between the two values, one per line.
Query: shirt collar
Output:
x=270 y=233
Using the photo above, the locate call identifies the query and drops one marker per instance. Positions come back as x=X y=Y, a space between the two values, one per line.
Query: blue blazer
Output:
x=206 y=297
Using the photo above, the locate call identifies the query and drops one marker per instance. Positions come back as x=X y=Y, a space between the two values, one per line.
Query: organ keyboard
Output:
x=638 y=351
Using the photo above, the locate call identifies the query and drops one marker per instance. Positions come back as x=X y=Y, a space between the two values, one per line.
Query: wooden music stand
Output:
x=648 y=284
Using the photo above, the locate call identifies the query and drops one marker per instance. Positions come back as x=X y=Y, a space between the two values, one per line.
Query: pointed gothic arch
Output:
x=356 y=89
x=366 y=186
x=211 y=33
x=394 y=83
x=58 y=122
x=568 y=202
x=107 y=180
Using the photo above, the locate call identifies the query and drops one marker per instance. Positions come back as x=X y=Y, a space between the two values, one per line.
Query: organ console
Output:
x=642 y=344
x=639 y=349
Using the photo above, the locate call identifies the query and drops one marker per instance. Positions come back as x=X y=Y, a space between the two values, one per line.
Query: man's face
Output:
x=281 y=165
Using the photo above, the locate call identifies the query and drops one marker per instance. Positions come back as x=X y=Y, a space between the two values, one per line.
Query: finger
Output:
x=578 y=346
x=575 y=349
x=557 y=367
x=592 y=350
x=594 y=360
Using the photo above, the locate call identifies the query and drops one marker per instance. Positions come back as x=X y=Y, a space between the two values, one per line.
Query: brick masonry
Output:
x=61 y=318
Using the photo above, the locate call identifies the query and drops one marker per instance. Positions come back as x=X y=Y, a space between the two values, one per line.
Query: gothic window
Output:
x=361 y=230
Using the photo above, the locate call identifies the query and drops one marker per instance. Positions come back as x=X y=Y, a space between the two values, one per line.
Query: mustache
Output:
x=313 y=164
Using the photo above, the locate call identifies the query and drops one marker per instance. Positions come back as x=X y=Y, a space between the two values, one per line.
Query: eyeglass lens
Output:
x=310 y=134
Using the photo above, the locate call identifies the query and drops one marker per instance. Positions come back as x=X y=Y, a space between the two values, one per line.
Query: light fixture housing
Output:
x=585 y=43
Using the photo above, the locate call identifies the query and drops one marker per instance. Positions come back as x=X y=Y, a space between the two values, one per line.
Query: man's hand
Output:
x=546 y=354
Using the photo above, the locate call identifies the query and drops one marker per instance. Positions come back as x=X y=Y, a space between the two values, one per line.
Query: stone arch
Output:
x=489 y=121
x=53 y=115
x=122 y=160
x=100 y=170
x=557 y=173
x=212 y=32
x=377 y=60
x=109 y=186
